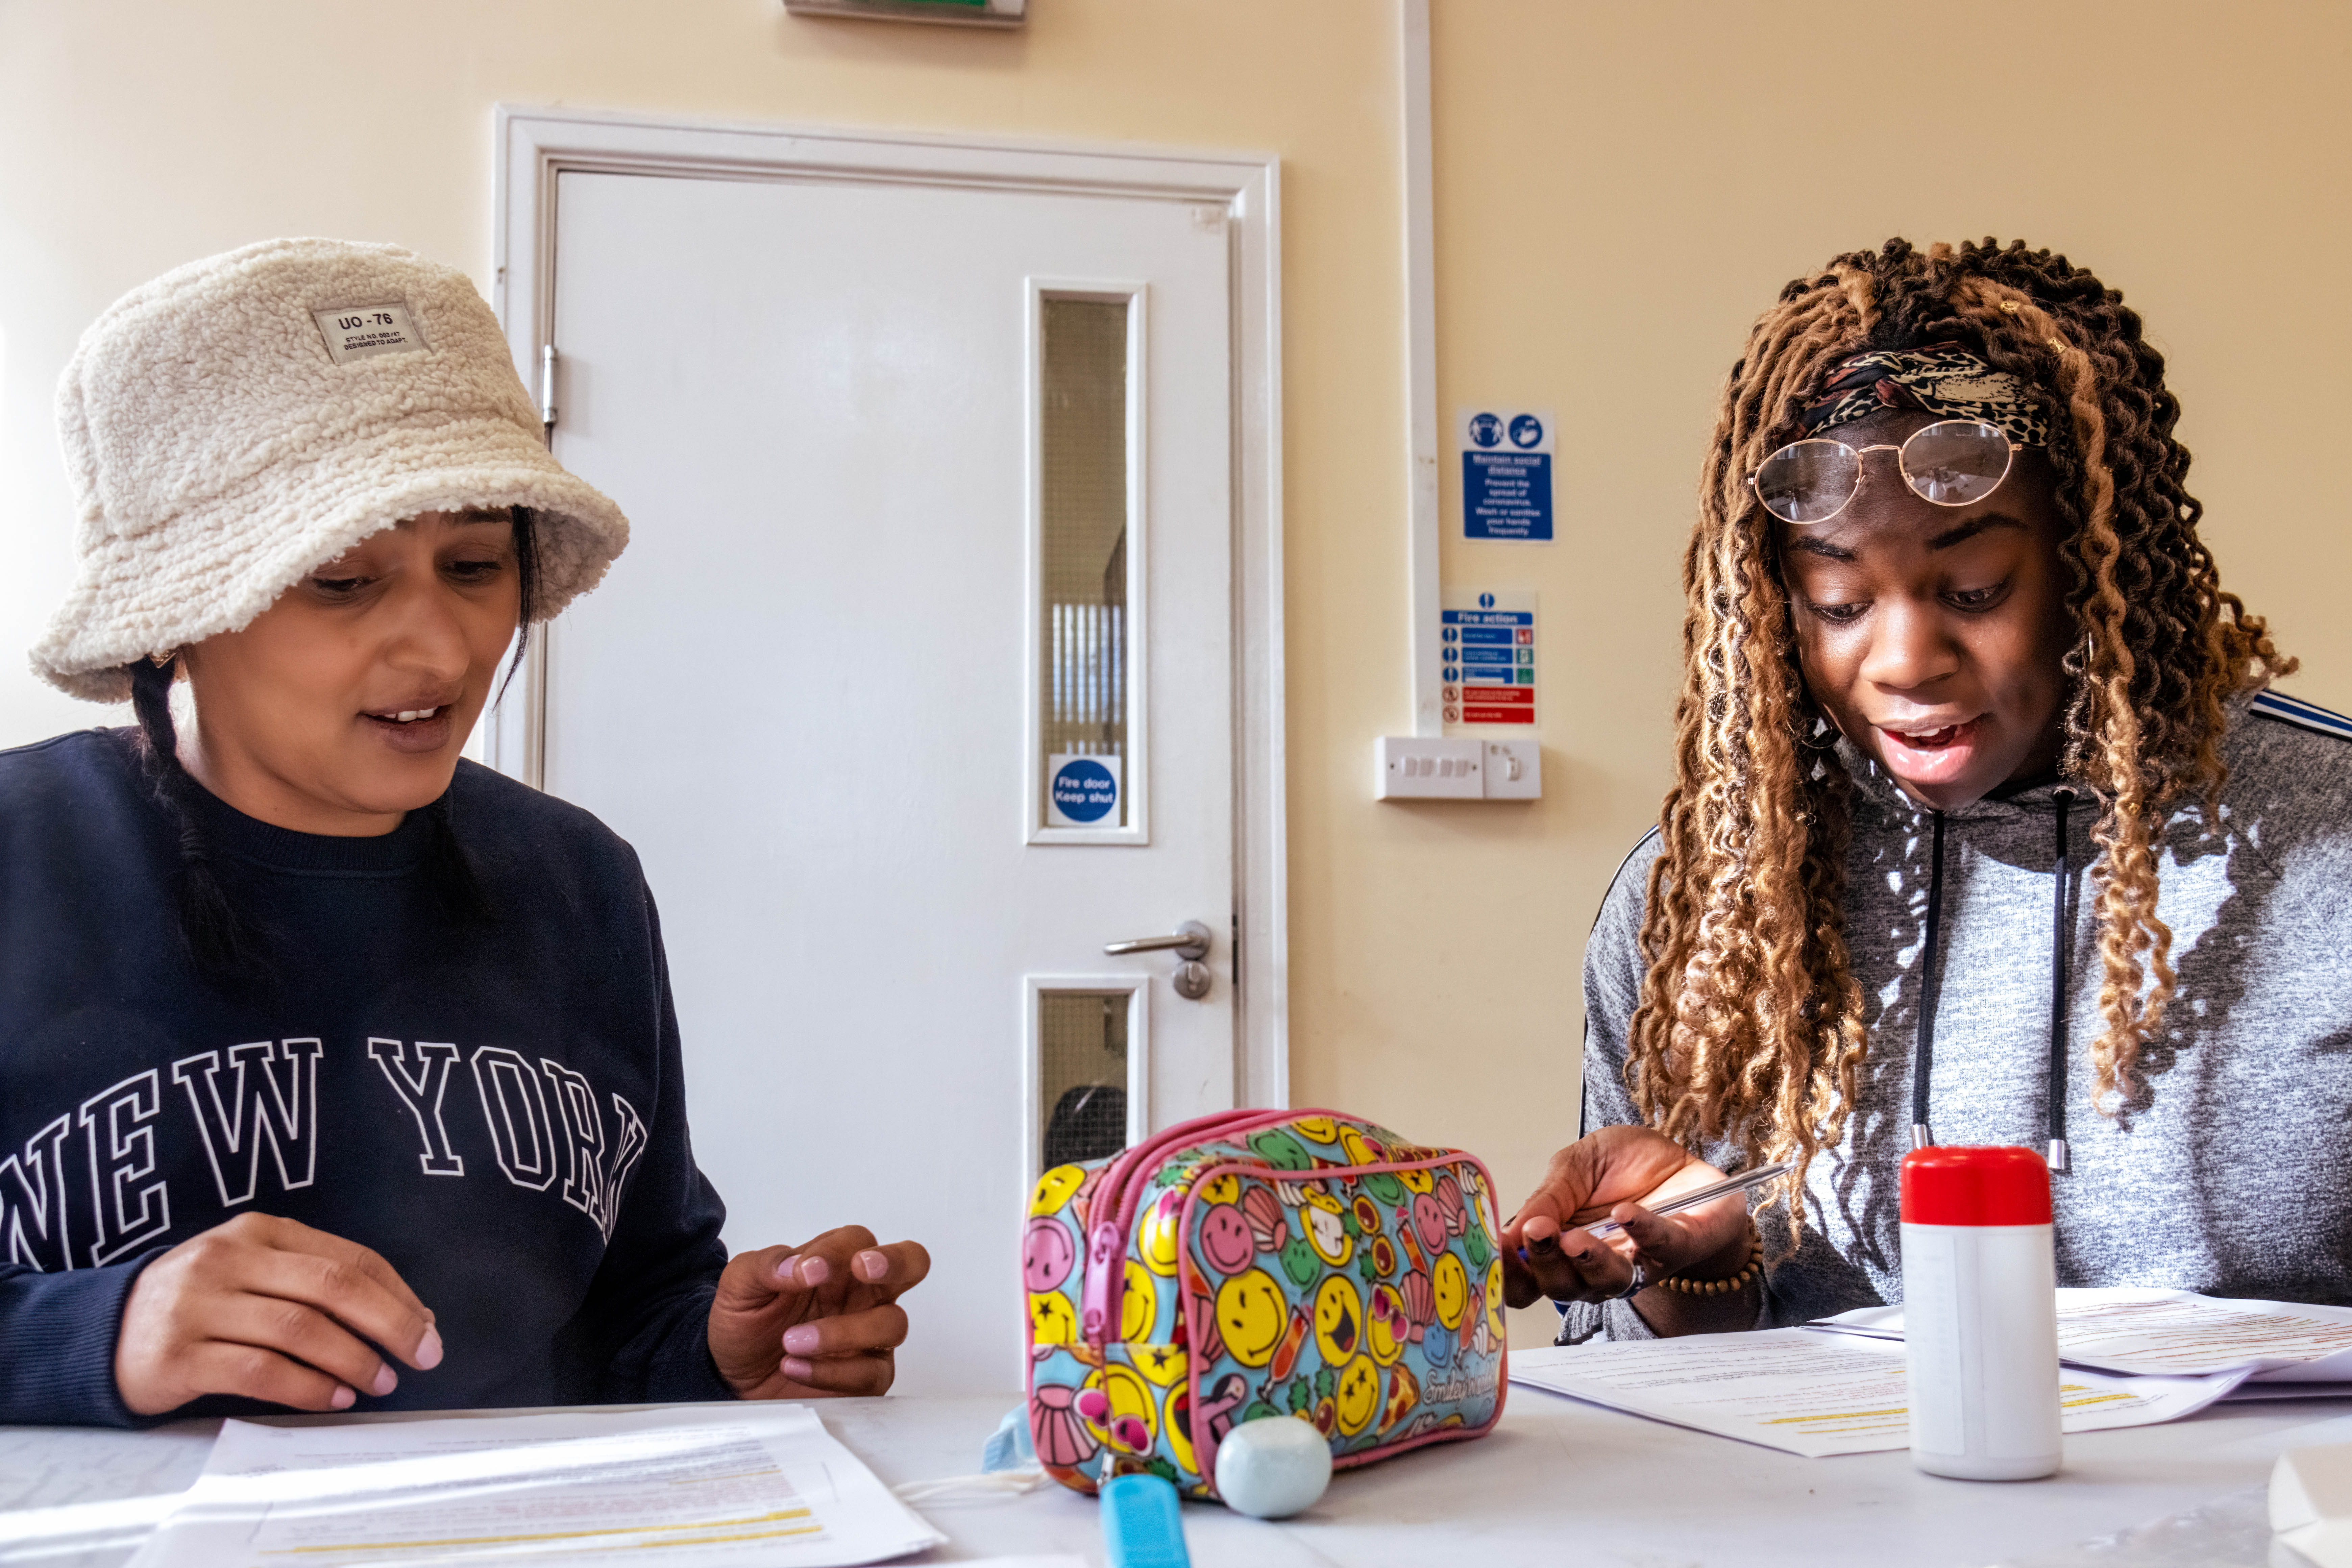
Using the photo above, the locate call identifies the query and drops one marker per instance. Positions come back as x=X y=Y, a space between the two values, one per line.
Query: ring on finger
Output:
x=1640 y=1282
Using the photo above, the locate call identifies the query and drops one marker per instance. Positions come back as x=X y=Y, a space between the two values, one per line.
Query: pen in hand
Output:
x=1691 y=1199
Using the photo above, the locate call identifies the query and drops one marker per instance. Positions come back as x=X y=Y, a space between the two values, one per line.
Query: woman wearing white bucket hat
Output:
x=313 y=487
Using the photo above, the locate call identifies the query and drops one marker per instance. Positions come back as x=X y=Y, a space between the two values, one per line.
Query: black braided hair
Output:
x=225 y=941
x=527 y=573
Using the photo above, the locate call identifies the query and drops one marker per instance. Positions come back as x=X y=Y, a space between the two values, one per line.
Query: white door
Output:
x=915 y=688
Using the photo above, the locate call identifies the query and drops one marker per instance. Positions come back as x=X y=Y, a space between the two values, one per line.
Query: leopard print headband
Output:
x=1937 y=378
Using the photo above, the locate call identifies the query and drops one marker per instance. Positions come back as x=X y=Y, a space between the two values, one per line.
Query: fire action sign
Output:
x=1486 y=640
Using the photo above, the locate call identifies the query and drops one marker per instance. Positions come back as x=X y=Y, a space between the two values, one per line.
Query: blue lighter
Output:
x=1142 y=1523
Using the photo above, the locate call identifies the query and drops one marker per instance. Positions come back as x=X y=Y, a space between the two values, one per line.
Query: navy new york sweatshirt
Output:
x=496 y=1109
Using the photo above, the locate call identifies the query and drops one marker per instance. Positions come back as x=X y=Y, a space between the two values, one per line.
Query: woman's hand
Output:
x=1606 y=1175
x=803 y=1323
x=272 y=1309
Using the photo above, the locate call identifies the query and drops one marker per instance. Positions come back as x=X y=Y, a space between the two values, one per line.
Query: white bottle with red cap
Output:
x=1981 y=1314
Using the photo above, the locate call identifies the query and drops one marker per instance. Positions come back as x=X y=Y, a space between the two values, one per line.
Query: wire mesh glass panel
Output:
x=1083 y=556
x=1081 y=1075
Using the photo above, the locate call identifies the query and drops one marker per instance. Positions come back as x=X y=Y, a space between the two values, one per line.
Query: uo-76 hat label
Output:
x=360 y=331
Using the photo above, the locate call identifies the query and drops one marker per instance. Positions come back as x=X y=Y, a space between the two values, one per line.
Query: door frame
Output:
x=533 y=146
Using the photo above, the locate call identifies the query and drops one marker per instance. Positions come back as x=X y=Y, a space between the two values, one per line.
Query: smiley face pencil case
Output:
x=1258 y=1265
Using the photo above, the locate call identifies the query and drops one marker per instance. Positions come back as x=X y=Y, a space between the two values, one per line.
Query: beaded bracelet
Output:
x=1739 y=1281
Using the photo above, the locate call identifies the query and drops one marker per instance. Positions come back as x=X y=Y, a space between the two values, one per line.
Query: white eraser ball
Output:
x=1272 y=1467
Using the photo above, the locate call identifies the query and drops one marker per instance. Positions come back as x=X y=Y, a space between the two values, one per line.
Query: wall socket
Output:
x=1456 y=767
x=1514 y=770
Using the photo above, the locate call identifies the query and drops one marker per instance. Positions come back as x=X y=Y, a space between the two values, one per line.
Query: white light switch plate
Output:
x=1431 y=767
x=1456 y=767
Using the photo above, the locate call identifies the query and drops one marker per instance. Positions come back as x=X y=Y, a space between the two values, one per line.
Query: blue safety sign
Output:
x=1082 y=792
x=1506 y=489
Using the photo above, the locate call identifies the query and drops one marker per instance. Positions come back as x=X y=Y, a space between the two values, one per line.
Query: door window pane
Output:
x=1082 y=1075
x=1083 y=459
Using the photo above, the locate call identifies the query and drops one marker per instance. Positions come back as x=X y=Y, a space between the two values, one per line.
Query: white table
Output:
x=1557 y=1483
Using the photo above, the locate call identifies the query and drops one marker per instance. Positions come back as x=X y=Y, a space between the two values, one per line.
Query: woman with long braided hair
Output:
x=1984 y=829
x=289 y=919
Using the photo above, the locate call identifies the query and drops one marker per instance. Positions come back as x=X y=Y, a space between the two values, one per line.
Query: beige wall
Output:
x=1620 y=189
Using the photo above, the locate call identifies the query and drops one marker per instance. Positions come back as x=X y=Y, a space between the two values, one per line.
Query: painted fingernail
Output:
x=1544 y=1243
x=815 y=1271
x=796 y=1369
x=428 y=1351
x=342 y=1398
x=784 y=1269
x=801 y=1339
x=386 y=1382
x=870 y=1266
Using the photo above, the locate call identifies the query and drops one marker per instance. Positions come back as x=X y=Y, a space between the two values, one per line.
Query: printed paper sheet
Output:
x=2177 y=1333
x=1813 y=1393
x=666 y=1489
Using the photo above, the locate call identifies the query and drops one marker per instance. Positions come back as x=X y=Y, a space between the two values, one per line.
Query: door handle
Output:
x=1190 y=943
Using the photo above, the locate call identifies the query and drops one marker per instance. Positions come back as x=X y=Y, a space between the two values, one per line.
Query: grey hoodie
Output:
x=2235 y=1180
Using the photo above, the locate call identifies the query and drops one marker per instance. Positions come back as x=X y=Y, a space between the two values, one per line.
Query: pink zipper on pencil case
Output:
x=1106 y=1249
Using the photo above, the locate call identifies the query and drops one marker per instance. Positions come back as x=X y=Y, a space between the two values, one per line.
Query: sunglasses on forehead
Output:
x=1953 y=462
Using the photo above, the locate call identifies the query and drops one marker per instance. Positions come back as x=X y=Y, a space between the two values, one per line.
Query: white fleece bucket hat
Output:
x=243 y=419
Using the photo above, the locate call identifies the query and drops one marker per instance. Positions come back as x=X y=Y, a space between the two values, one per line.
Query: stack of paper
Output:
x=2278 y=1349
x=677 y=1489
x=1815 y=1393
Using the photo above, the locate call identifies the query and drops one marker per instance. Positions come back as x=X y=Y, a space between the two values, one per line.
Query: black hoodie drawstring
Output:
x=1923 y=1049
x=1923 y=1046
x=2061 y=943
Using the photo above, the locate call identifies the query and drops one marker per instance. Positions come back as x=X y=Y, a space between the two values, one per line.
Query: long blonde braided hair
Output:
x=1749 y=1026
